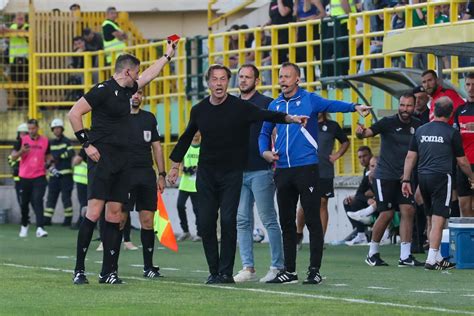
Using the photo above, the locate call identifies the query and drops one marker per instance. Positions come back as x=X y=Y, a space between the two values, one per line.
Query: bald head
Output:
x=443 y=108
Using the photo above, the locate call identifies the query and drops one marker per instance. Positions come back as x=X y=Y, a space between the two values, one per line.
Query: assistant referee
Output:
x=107 y=149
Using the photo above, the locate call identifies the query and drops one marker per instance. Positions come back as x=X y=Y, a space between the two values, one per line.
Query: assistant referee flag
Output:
x=162 y=226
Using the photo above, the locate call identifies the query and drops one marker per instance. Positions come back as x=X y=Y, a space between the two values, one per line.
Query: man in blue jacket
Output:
x=297 y=173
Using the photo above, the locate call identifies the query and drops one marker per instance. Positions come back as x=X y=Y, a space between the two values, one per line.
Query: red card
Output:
x=173 y=38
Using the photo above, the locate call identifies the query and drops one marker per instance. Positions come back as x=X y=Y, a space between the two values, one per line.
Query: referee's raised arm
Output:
x=154 y=70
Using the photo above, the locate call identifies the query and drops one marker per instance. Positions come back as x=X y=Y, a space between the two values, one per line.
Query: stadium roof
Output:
x=440 y=39
x=221 y=6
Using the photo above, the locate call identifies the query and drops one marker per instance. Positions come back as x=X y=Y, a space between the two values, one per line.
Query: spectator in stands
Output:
x=77 y=62
x=281 y=12
x=18 y=58
x=469 y=10
x=114 y=37
x=233 y=58
x=419 y=19
x=266 y=58
x=94 y=41
x=441 y=17
x=340 y=8
x=308 y=10
x=74 y=7
x=360 y=200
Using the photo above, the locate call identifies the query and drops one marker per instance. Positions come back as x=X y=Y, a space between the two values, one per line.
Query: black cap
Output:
x=418 y=89
x=86 y=31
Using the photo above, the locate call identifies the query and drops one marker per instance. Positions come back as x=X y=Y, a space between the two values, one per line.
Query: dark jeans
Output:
x=293 y=183
x=32 y=191
x=355 y=206
x=218 y=189
x=182 y=198
x=18 y=192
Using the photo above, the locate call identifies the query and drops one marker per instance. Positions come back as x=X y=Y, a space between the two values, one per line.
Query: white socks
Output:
x=374 y=248
x=367 y=211
x=405 y=250
x=432 y=256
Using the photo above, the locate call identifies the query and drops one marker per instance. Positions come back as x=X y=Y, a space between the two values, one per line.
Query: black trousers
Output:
x=182 y=198
x=64 y=185
x=218 y=189
x=303 y=183
x=32 y=191
x=18 y=192
x=283 y=38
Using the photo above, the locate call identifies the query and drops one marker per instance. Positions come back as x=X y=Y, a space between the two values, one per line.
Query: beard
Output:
x=249 y=89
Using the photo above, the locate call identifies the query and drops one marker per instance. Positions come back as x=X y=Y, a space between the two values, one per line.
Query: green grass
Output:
x=29 y=286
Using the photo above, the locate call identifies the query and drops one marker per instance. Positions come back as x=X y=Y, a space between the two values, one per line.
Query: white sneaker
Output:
x=245 y=275
x=128 y=245
x=23 y=231
x=271 y=274
x=366 y=220
x=184 y=236
x=358 y=241
x=40 y=232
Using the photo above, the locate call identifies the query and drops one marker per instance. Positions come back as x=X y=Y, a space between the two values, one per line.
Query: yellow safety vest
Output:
x=336 y=9
x=80 y=173
x=114 y=44
x=18 y=44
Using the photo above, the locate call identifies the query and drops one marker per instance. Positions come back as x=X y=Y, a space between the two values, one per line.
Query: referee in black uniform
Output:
x=144 y=138
x=435 y=145
x=106 y=145
x=224 y=122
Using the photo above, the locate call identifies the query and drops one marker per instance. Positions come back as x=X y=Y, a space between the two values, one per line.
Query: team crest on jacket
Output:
x=147 y=136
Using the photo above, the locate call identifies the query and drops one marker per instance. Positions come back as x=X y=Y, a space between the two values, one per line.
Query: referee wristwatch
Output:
x=162 y=174
x=86 y=144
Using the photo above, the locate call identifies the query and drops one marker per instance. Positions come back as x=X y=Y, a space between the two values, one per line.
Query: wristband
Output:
x=167 y=57
x=162 y=174
x=406 y=181
x=81 y=136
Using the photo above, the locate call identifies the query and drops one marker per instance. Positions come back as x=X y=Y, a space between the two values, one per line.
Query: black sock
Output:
x=110 y=236
x=455 y=211
x=83 y=241
x=148 y=244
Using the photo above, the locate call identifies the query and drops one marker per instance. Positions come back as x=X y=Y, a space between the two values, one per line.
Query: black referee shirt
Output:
x=328 y=132
x=395 y=140
x=110 y=112
x=436 y=143
x=225 y=132
x=143 y=132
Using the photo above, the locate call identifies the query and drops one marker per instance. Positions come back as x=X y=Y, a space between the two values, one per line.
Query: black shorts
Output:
x=143 y=190
x=388 y=194
x=436 y=191
x=463 y=185
x=326 y=187
x=108 y=179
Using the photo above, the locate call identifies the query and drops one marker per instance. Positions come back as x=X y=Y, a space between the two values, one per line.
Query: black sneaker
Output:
x=299 y=241
x=213 y=279
x=152 y=273
x=442 y=265
x=410 y=262
x=110 y=278
x=80 y=278
x=47 y=221
x=224 y=278
x=285 y=277
x=375 y=261
x=313 y=276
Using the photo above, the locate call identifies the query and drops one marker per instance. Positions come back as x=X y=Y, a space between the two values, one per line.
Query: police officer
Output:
x=435 y=145
x=21 y=131
x=60 y=174
x=145 y=139
x=107 y=151
x=396 y=132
